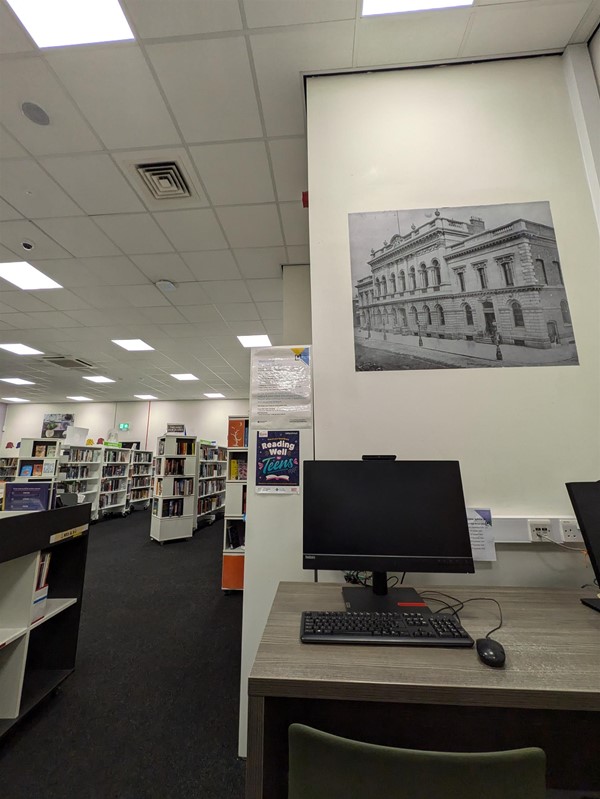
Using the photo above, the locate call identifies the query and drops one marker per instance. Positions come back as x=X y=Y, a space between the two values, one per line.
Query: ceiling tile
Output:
x=189 y=294
x=218 y=109
x=14 y=232
x=9 y=147
x=295 y=223
x=86 y=272
x=192 y=230
x=298 y=254
x=26 y=186
x=166 y=266
x=54 y=319
x=201 y=313
x=155 y=18
x=226 y=291
x=243 y=311
x=212 y=265
x=266 y=13
x=248 y=328
x=124 y=113
x=290 y=165
x=134 y=233
x=280 y=59
x=261 y=261
x=235 y=173
x=164 y=315
x=274 y=327
x=143 y=296
x=60 y=299
x=270 y=310
x=251 y=225
x=13 y=38
x=22 y=321
x=180 y=331
x=266 y=290
x=103 y=297
x=94 y=182
x=23 y=300
x=89 y=317
x=79 y=236
x=8 y=212
x=29 y=79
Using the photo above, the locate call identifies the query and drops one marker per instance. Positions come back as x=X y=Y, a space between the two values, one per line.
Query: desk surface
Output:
x=552 y=644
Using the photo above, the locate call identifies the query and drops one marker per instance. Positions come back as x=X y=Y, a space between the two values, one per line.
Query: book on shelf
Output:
x=49 y=467
x=44 y=565
x=26 y=470
x=38 y=470
x=40 y=451
x=236 y=533
x=237 y=433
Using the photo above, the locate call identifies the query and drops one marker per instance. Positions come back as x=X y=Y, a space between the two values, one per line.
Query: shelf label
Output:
x=74 y=532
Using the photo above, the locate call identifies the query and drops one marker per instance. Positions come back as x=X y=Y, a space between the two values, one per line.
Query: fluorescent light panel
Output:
x=185 y=377
x=372 y=7
x=25 y=276
x=145 y=396
x=14 y=399
x=20 y=349
x=215 y=396
x=17 y=381
x=81 y=399
x=254 y=341
x=99 y=379
x=132 y=344
x=56 y=23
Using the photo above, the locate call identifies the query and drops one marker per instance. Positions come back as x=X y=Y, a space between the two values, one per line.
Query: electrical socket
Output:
x=569 y=531
x=539 y=529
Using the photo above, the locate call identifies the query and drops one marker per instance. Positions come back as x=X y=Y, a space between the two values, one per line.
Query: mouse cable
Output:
x=460 y=603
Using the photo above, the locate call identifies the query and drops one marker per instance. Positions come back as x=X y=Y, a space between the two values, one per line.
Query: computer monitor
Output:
x=385 y=515
x=585 y=498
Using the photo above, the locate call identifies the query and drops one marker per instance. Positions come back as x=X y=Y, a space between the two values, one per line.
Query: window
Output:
x=393 y=283
x=384 y=286
x=423 y=276
x=508 y=274
x=414 y=316
x=402 y=282
x=540 y=271
x=461 y=280
x=482 y=277
x=437 y=275
x=566 y=314
x=517 y=314
x=427 y=314
x=440 y=313
x=559 y=272
x=412 y=283
x=403 y=317
x=469 y=315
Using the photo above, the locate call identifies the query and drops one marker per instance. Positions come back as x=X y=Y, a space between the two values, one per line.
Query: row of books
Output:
x=173 y=466
x=45 y=450
x=236 y=533
x=114 y=470
x=208 y=452
x=42 y=576
x=208 y=487
x=110 y=499
x=83 y=455
x=37 y=469
x=137 y=470
x=185 y=447
x=8 y=462
x=238 y=469
x=140 y=479
x=209 y=504
x=141 y=457
x=116 y=455
x=140 y=493
x=212 y=469
x=75 y=472
x=79 y=488
x=170 y=507
x=112 y=484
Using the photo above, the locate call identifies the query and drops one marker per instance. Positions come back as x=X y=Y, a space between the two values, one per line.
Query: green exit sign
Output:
x=124 y=426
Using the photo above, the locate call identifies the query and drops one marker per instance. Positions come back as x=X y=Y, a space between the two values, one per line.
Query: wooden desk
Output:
x=547 y=695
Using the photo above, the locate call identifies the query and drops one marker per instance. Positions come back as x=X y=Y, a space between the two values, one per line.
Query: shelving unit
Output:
x=38 y=459
x=232 y=576
x=175 y=488
x=139 y=486
x=37 y=652
x=8 y=465
x=113 y=483
x=212 y=465
x=80 y=469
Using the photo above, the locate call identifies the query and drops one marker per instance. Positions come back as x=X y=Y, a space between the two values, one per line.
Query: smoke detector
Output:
x=165 y=285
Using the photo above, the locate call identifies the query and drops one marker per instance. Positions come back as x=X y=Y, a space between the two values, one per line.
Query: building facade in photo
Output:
x=458 y=280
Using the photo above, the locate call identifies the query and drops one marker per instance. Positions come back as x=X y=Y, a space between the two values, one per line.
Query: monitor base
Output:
x=592 y=603
x=397 y=599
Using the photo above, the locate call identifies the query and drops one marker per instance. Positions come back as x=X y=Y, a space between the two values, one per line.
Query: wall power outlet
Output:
x=569 y=531
x=539 y=529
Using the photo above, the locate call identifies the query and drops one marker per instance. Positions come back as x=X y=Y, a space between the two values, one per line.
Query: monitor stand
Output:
x=381 y=599
x=592 y=603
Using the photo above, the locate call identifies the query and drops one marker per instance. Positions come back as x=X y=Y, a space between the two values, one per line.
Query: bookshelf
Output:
x=175 y=488
x=39 y=626
x=113 y=482
x=212 y=473
x=139 y=486
x=80 y=470
x=8 y=465
x=38 y=459
x=232 y=576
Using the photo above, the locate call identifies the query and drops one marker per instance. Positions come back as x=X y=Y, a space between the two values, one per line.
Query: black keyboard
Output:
x=390 y=629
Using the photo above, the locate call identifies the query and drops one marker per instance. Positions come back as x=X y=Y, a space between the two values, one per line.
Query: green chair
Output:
x=324 y=766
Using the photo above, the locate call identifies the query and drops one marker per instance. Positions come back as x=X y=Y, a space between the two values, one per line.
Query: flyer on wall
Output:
x=277 y=462
x=281 y=387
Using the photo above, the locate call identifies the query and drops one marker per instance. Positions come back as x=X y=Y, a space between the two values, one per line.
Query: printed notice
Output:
x=281 y=387
x=277 y=462
x=480 y=531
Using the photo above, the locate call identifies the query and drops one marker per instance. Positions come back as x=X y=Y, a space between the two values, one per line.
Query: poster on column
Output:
x=277 y=462
x=281 y=387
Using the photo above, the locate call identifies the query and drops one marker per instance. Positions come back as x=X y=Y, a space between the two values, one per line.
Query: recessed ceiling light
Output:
x=81 y=399
x=145 y=396
x=26 y=276
x=215 y=396
x=372 y=7
x=132 y=344
x=14 y=399
x=64 y=22
x=185 y=377
x=255 y=341
x=98 y=379
x=20 y=349
x=17 y=381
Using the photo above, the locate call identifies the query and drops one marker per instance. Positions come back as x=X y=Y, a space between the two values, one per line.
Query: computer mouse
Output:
x=490 y=652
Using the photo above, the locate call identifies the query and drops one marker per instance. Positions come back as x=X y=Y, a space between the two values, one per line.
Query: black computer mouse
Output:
x=490 y=652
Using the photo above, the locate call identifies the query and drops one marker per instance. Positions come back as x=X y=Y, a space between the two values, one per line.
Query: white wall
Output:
x=594 y=48
x=296 y=303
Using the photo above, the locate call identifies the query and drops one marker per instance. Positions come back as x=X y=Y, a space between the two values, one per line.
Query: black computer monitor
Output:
x=385 y=515
x=585 y=498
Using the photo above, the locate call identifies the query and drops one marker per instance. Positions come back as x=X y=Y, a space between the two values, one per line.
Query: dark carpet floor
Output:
x=151 y=711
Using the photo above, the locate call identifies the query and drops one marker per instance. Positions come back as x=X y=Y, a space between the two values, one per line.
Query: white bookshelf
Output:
x=212 y=473
x=113 y=481
x=175 y=488
x=8 y=465
x=80 y=470
x=38 y=459
x=139 y=487
x=234 y=533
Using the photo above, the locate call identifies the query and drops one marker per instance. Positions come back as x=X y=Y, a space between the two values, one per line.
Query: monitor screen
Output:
x=585 y=498
x=385 y=515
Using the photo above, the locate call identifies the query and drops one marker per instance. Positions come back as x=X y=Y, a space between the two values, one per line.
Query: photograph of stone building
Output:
x=466 y=287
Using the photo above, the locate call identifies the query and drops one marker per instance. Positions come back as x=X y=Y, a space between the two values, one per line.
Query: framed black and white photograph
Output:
x=455 y=288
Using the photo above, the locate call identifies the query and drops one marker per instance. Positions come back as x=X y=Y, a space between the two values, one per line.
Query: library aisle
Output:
x=151 y=710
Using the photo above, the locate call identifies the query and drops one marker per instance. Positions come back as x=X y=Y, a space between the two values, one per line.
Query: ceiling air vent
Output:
x=67 y=363
x=165 y=180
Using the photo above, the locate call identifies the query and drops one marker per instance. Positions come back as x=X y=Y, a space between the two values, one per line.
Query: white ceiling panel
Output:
x=298 y=255
x=261 y=261
x=79 y=236
x=60 y=299
x=26 y=186
x=295 y=223
x=30 y=80
x=200 y=313
x=86 y=272
x=248 y=328
x=134 y=233
x=89 y=317
x=23 y=300
x=157 y=19
x=189 y=294
x=190 y=231
x=14 y=232
x=104 y=297
x=266 y=290
x=137 y=114
x=270 y=310
x=226 y=291
x=251 y=225
x=244 y=311
x=143 y=296
x=235 y=173
x=13 y=38
x=94 y=182
x=55 y=319
x=9 y=147
x=7 y=211
x=274 y=327
x=165 y=266
x=280 y=59
x=290 y=166
x=212 y=265
x=218 y=109
x=267 y=13
x=163 y=315
x=181 y=331
x=21 y=321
